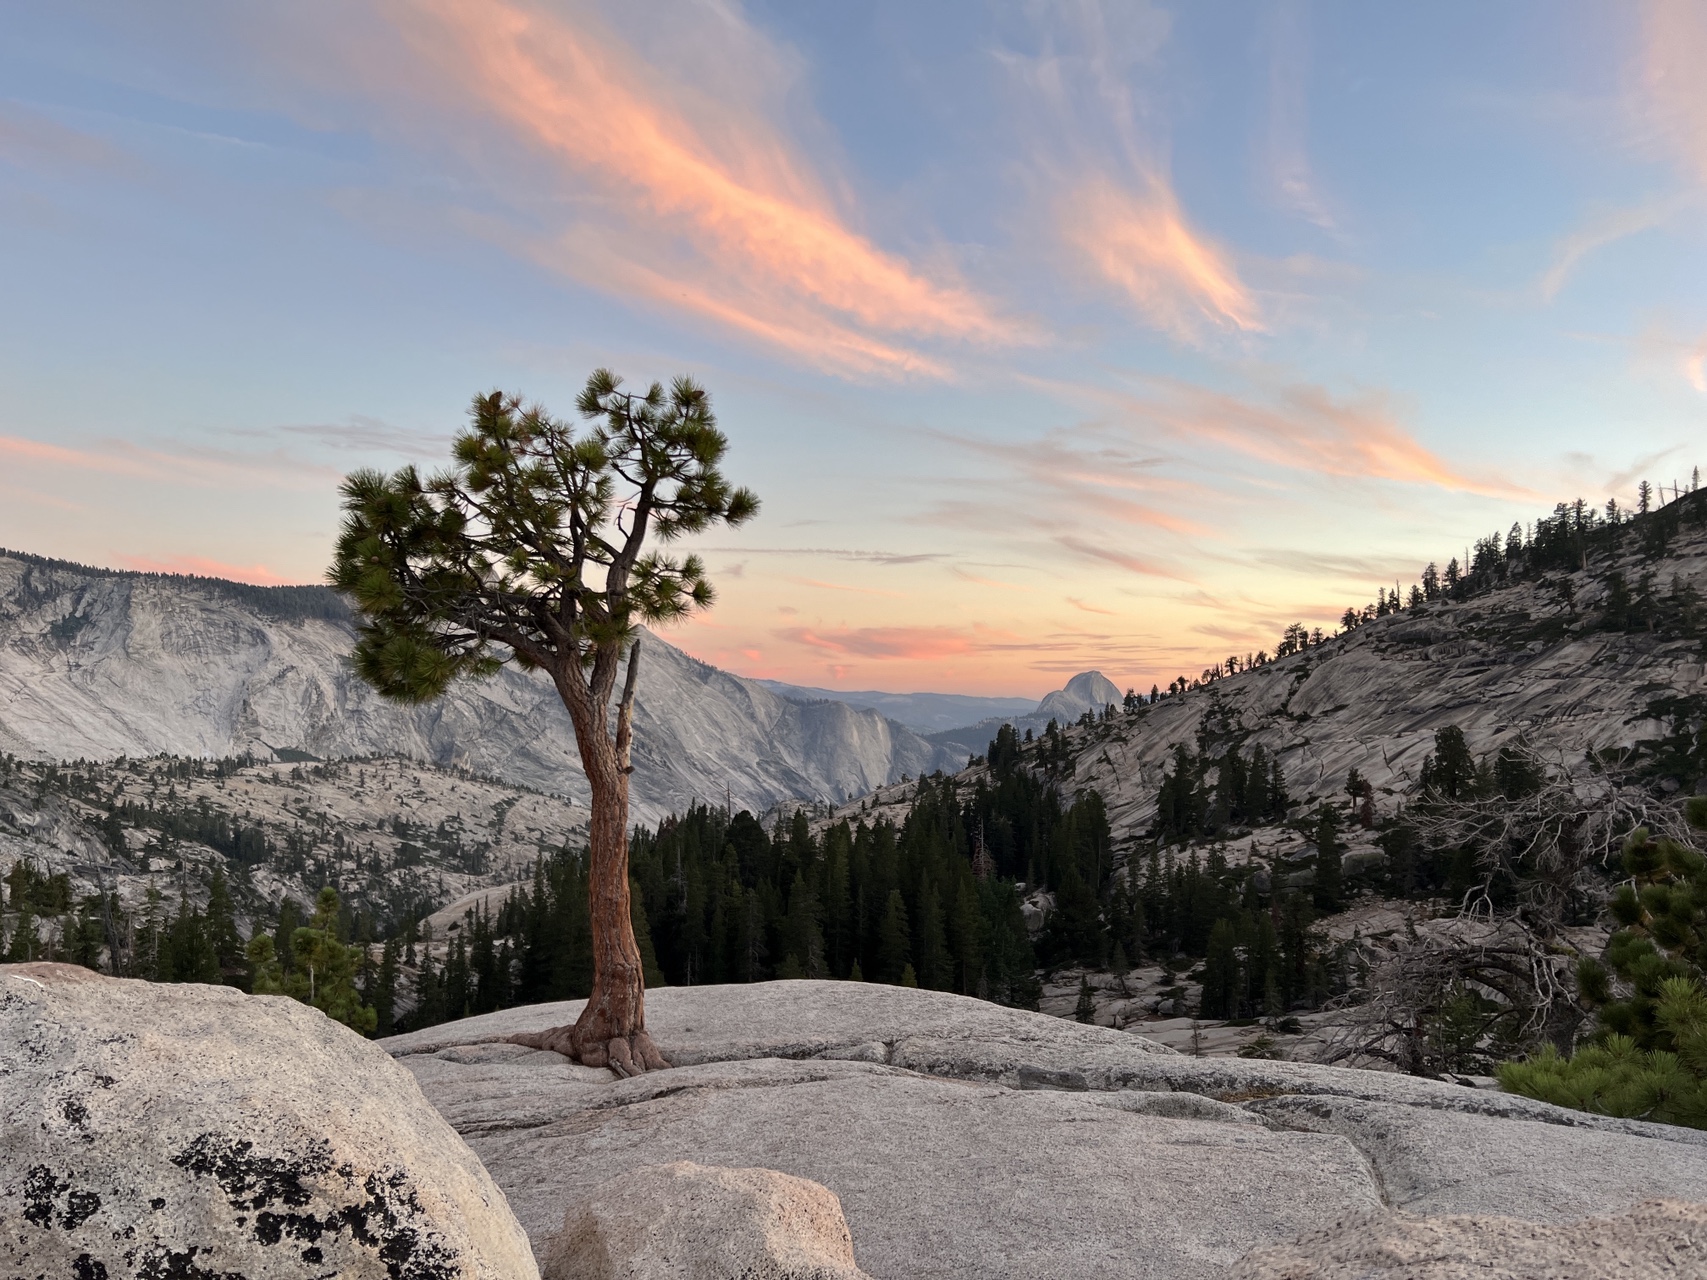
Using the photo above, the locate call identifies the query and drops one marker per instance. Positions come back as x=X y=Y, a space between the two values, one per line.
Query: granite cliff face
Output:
x=96 y=664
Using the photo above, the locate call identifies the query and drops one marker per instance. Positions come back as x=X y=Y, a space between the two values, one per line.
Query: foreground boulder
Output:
x=968 y=1140
x=685 y=1221
x=196 y=1132
x=1663 y=1240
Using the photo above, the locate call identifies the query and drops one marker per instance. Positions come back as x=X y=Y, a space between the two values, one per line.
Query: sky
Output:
x=1053 y=336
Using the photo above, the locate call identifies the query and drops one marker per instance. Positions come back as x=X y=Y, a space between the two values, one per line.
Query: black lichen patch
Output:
x=41 y=1195
x=41 y=1188
x=279 y=1195
x=80 y=1206
x=253 y=1181
x=271 y=1228
x=87 y=1268
x=75 y=1113
x=171 y=1264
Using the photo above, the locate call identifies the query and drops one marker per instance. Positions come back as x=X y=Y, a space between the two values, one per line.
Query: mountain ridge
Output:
x=102 y=663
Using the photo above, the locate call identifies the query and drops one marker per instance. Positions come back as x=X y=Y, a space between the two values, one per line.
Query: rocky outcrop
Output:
x=964 y=1139
x=197 y=1133
x=95 y=664
x=1665 y=1240
x=686 y=1221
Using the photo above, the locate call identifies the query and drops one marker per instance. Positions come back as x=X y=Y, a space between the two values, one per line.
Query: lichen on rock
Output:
x=194 y=1133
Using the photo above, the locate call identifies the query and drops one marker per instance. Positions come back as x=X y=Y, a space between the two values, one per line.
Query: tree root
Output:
x=625 y=1056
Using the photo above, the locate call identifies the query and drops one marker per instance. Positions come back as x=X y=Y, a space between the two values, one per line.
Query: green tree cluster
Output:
x=319 y=968
x=1247 y=791
x=1647 y=1058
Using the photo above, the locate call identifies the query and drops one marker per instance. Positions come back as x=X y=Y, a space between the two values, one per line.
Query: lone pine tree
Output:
x=532 y=548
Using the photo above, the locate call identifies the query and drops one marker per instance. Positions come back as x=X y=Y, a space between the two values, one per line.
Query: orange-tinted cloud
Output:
x=1142 y=244
x=1306 y=428
x=202 y=567
x=688 y=199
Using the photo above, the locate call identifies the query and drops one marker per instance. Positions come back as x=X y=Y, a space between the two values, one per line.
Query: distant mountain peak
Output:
x=1087 y=691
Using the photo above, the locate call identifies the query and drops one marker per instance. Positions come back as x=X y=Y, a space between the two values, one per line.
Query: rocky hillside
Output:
x=95 y=664
x=394 y=837
x=1601 y=666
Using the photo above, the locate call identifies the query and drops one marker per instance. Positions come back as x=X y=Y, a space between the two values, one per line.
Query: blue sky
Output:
x=1053 y=336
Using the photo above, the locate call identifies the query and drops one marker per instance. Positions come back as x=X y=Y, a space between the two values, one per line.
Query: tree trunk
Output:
x=611 y=1031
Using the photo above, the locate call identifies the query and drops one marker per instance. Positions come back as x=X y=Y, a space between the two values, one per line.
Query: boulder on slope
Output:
x=193 y=1131
x=686 y=1221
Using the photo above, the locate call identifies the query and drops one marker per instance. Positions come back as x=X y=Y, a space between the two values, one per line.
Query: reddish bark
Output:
x=611 y=1031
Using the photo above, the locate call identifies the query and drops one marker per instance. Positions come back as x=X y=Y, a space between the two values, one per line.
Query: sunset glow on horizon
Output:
x=1052 y=337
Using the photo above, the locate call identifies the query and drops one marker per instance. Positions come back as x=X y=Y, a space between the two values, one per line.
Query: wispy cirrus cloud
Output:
x=1287 y=152
x=1090 y=608
x=1140 y=242
x=641 y=182
x=1116 y=557
x=1101 y=155
x=1603 y=230
x=1303 y=427
x=178 y=464
x=28 y=137
x=928 y=643
x=837 y=553
x=819 y=584
x=1094 y=471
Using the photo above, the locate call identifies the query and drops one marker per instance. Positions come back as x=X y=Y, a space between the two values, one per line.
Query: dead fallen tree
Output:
x=1497 y=977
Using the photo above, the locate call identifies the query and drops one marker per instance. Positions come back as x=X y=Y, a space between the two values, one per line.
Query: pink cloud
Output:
x=188 y=465
x=886 y=643
x=202 y=567
x=1142 y=244
x=1305 y=428
x=690 y=200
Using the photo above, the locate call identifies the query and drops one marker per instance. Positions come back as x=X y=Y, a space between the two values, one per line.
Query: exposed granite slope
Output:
x=968 y=1140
